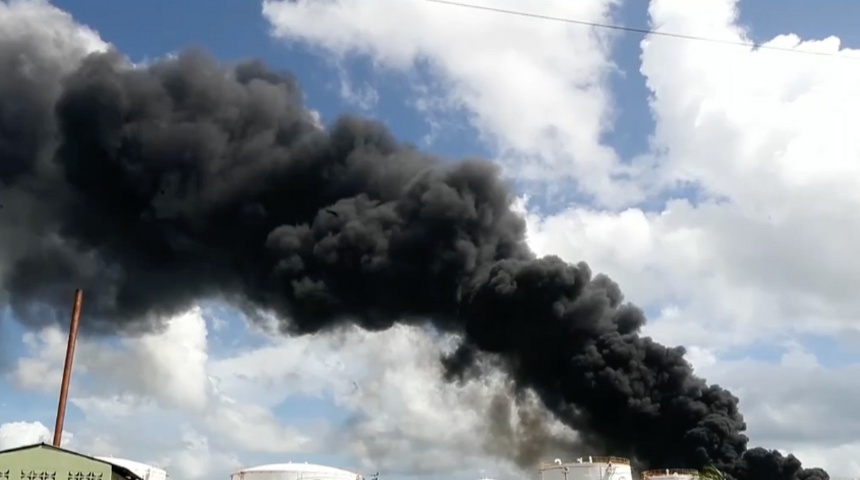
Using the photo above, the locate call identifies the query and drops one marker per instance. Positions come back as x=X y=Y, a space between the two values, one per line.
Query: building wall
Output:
x=44 y=464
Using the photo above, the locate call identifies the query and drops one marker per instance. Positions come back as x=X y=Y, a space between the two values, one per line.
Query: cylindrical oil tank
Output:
x=670 y=474
x=588 y=468
x=144 y=471
x=295 y=471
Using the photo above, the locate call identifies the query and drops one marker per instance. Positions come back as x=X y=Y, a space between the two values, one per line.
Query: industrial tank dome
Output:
x=144 y=471
x=670 y=474
x=294 y=471
x=590 y=468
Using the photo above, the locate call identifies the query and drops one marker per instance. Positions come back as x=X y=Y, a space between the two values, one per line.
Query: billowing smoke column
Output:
x=154 y=187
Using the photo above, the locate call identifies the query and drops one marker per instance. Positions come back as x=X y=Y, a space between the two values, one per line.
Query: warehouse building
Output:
x=45 y=462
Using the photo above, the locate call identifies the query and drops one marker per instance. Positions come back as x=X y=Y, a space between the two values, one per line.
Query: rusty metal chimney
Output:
x=67 y=368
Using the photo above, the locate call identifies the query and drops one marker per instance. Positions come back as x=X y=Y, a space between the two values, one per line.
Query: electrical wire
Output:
x=642 y=31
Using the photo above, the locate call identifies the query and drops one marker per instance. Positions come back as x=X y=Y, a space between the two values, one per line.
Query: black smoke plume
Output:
x=152 y=188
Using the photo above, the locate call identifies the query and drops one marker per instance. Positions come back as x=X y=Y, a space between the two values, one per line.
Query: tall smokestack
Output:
x=67 y=368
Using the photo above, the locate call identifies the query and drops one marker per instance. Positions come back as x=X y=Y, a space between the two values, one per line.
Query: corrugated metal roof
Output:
x=126 y=473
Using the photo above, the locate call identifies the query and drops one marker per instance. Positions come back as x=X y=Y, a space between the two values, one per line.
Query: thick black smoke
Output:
x=153 y=188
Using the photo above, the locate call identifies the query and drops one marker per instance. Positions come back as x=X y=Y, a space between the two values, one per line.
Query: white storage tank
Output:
x=588 y=468
x=670 y=474
x=295 y=471
x=144 y=471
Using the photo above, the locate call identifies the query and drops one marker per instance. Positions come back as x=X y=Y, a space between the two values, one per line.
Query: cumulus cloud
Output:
x=140 y=365
x=390 y=384
x=388 y=388
x=37 y=22
x=799 y=405
x=535 y=90
x=160 y=384
x=775 y=144
x=19 y=434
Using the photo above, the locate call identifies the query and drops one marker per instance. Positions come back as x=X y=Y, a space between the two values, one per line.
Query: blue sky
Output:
x=739 y=327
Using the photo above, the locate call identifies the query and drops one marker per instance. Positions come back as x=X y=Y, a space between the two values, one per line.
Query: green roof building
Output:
x=45 y=462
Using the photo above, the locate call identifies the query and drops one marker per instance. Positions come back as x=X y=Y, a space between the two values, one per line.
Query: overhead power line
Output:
x=641 y=31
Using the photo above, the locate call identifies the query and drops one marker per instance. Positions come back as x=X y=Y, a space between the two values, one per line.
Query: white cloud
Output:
x=536 y=90
x=60 y=39
x=171 y=363
x=19 y=434
x=768 y=133
x=798 y=406
x=157 y=384
x=363 y=96
x=153 y=358
x=388 y=387
x=196 y=459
